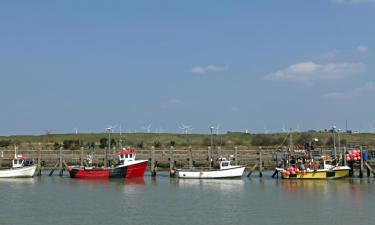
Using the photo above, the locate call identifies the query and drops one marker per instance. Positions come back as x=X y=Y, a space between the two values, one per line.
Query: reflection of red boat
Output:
x=128 y=167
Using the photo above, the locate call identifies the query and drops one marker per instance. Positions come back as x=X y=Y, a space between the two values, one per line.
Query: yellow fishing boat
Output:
x=329 y=171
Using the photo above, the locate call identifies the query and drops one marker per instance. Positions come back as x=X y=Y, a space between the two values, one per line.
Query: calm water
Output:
x=66 y=201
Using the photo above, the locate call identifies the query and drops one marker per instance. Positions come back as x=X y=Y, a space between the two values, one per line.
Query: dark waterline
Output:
x=164 y=201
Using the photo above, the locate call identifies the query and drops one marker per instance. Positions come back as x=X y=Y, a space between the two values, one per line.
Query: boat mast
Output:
x=290 y=139
x=334 y=140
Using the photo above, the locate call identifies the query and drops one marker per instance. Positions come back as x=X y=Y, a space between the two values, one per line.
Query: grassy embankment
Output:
x=164 y=140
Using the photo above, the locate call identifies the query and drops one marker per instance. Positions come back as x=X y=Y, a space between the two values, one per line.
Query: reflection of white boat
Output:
x=18 y=169
x=226 y=170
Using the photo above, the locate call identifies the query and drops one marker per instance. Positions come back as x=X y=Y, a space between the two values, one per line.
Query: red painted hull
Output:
x=129 y=171
x=136 y=170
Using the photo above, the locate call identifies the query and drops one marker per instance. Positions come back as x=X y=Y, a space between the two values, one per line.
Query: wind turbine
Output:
x=372 y=129
x=298 y=128
x=190 y=129
x=266 y=131
x=185 y=128
x=217 y=129
x=160 y=130
x=148 y=128
x=283 y=129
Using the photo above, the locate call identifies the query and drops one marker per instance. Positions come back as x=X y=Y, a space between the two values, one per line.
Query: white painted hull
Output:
x=235 y=171
x=27 y=171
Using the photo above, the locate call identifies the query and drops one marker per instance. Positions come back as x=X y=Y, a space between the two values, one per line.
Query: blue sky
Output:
x=256 y=65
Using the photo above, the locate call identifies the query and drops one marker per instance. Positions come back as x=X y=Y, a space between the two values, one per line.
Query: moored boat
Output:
x=20 y=168
x=329 y=171
x=127 y=167
x=226 y=170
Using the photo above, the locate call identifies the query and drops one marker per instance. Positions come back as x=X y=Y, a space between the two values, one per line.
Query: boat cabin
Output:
x=224 y=163
x=126 y=156
x=18 y=161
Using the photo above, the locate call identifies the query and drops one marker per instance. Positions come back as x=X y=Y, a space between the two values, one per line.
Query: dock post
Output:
x=1 y=159
x=351 y=171
x=153 y=164
x=368 y=171
x=172 y=170
x=81 y=156
x=190 y=158
x=61 y=169
x=39 y=170
x=236 y=155
x=105 y=157
x=209 y=156
x=260 y=162
x=361 y=168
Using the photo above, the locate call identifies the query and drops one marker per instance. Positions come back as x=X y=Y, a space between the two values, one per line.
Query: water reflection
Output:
x=135 y=181
x=17 y=180
x=216 y=184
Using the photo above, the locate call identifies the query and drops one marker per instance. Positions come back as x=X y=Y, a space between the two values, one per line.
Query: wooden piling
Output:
x=260 y=162
x=53 y=169
x=61 y=169
x=153 y=162
x=209 y=154
x=361 y=166
x=369 y=168
x=172 y=169
x=105 y=157
x=1 y=159
x=82 y=162
x=236 y=155
x=252 y=169
x=190 y=157
x=39 y=167
x=351 y=171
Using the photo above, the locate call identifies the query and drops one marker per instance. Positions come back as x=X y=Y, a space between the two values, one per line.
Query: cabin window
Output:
x=131 y=156
x=224 y=164
x=126 y=156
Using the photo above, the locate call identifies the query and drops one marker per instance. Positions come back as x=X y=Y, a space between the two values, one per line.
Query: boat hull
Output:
x=211 y=174
x=135 y=169
x=320 y=174
x=27 y=171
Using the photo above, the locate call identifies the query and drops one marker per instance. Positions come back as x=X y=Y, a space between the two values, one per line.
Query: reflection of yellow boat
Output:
x=328 y=172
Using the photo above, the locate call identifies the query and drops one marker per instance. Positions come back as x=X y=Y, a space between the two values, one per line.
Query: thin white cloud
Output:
x=310 y=71
x=352 y=1
x=174 y=101
x=362 y=49
x=209 y=68
x=328 y=55
x=171 y=102
x=234 y=109
x=355 y=93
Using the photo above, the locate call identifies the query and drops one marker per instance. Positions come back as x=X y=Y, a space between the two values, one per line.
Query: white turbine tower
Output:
x=190 y=129
x=185 y=128
x=283 y=129
x=266 y=131
x=148 y=128
x=372 y=129
x=217 y=128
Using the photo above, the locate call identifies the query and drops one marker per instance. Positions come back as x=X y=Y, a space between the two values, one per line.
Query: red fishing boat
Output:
x=128 y=167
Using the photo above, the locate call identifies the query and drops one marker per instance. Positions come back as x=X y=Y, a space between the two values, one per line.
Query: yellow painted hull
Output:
x=320 y=174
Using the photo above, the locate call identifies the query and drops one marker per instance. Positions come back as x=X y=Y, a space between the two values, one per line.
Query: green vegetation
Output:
x=162 y=141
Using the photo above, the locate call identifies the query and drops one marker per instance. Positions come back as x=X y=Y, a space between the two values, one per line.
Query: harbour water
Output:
x=165 y=201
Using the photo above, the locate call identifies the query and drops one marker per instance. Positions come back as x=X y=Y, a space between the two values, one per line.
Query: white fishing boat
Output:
x=19 y=168
x=226 y=170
